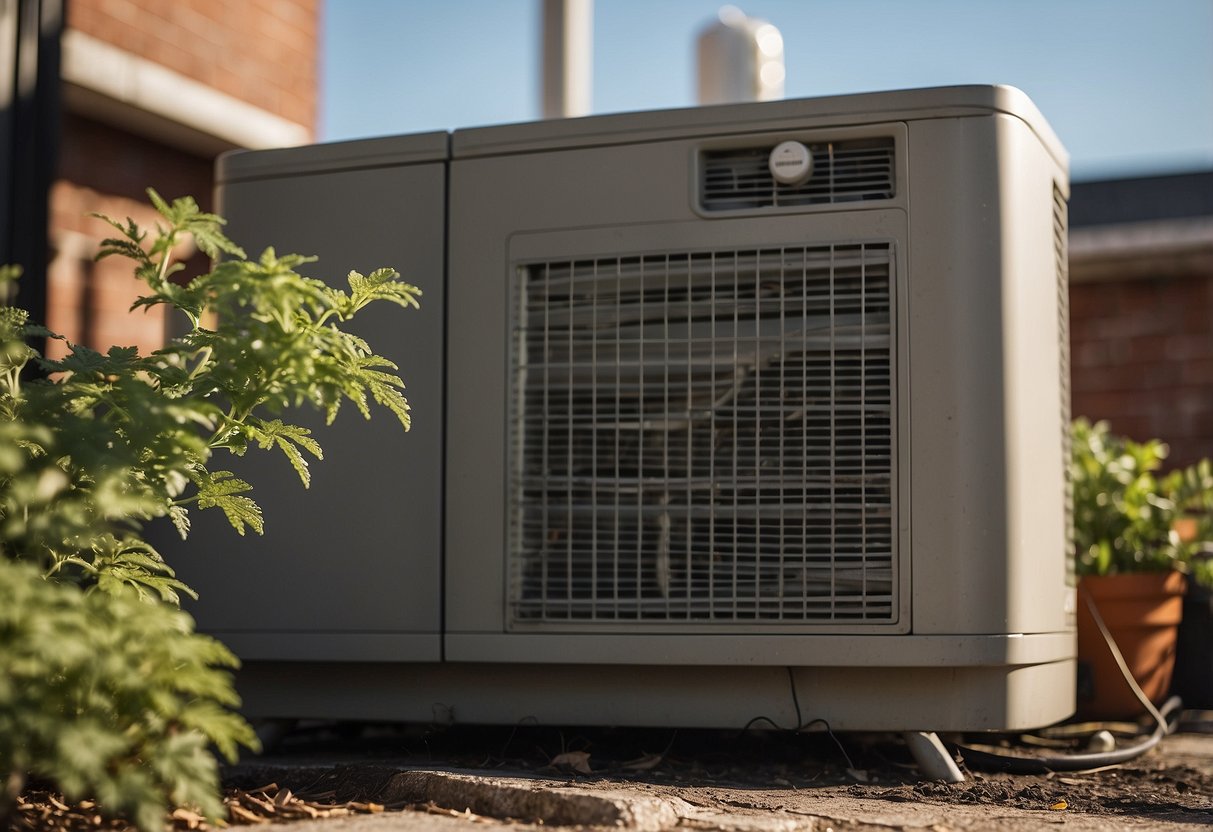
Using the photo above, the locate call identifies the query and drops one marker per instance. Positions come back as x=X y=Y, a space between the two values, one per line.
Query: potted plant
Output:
x=1136 y=535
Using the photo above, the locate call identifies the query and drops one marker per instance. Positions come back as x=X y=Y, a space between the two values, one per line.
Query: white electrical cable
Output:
x=1082 y=762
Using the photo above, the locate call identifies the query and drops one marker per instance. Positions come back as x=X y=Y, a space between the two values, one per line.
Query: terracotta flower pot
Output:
x=1142 y=612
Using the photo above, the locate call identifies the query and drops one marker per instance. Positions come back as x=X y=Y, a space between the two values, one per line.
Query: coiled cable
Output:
x=1015 y=764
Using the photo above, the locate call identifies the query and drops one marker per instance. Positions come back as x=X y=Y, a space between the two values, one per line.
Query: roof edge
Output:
x=122 y=88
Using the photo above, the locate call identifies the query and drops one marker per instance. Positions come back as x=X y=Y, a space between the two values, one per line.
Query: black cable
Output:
x=768 y=721
x=796 y=701
x=991 y=761
x=1098 y=759
x=801 y=725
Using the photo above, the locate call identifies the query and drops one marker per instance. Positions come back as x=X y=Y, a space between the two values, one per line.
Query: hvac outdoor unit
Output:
x=690 y=441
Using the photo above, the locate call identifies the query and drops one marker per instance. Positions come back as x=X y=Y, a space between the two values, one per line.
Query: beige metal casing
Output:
x=349 y=569
x=981 y=403
x=980 y=631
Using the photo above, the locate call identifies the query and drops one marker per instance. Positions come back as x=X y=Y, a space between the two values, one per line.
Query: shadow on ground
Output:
x=756 y=779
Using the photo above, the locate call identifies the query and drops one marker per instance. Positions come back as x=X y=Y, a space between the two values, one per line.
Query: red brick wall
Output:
x=260 y=51
x=105 y=170
x=263 y=52
x=1142 y=358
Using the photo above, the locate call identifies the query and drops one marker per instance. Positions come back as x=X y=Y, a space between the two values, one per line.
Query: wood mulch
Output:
x=46 y=812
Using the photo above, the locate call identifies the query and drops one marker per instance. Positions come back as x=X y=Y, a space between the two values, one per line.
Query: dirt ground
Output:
x=758 y=779
x=346 y=778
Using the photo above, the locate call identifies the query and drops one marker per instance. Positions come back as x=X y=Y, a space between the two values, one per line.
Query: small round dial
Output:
x=791 y=163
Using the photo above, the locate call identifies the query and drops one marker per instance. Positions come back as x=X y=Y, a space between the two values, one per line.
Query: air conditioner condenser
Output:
x=709 y=405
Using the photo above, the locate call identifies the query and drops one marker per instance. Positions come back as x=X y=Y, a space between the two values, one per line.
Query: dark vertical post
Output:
x=9 y=17
x=29 y=136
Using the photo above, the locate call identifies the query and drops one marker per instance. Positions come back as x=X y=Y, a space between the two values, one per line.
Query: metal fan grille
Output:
x=705 y=437
x=857 y=170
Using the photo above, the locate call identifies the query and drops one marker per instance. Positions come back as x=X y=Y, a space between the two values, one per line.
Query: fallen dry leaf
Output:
x=239 y=812
x=253 y=802
x=578 y=761
x=646 y=763
x=192 y=820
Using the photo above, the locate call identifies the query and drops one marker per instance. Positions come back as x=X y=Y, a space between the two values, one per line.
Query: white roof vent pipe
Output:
x=568 y=43
x=740 y=59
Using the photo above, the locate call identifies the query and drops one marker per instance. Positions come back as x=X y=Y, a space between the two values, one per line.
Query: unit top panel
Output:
x=390 y=151
x=803 y=113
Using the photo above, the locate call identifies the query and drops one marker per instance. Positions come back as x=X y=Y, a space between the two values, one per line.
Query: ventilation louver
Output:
x=705 y=437
x=1061 y=260
x=849 y=171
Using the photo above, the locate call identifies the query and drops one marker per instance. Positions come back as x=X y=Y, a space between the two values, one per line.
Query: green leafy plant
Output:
x=1130 y=518
x=108 y=441
x=111 y=697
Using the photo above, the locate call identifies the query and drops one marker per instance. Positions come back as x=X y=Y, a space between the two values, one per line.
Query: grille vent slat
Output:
x=704 y=438
x=1061 y=260
x=850 y=171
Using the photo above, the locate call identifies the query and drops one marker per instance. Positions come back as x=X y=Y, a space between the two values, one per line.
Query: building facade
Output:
x=1141 y=308
x=153 y=91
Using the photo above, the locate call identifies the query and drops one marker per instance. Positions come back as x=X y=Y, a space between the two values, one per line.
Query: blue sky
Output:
x=1127 y=84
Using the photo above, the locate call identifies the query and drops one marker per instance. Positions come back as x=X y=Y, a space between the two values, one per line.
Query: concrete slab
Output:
x=1176 y=777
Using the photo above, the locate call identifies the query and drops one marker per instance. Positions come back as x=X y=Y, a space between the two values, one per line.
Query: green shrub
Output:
x=105 y=689
x=1128 y=517
x=111 y=697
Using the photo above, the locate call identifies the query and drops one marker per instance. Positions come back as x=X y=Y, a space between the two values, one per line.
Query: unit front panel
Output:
x=699 y=438
x=705 y=437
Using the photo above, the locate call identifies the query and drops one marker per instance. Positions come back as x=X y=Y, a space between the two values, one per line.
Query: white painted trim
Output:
x=1162 y=248
x=1138 y=238
x=114 y=85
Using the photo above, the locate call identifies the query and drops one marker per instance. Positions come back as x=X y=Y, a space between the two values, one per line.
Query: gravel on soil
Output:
x=648 y=781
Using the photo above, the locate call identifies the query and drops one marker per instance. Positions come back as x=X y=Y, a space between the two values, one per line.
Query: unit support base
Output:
x=933 y=759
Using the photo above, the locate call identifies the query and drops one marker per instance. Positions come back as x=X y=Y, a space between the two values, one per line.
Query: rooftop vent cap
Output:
x=791 y=163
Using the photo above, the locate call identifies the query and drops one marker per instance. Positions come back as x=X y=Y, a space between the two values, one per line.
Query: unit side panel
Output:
x=1040 y=589
x=960 y=533
x=985 y=373
x=349 y=569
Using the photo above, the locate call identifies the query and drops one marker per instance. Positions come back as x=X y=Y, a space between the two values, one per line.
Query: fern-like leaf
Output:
x=185 y=215
x=80 y=360
x=130 y=562
x=223 y=490
x=181 y=520
x=381 y=284
x=391 y=398
x=227 y=728
x=289 y=439
x=240 y=511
